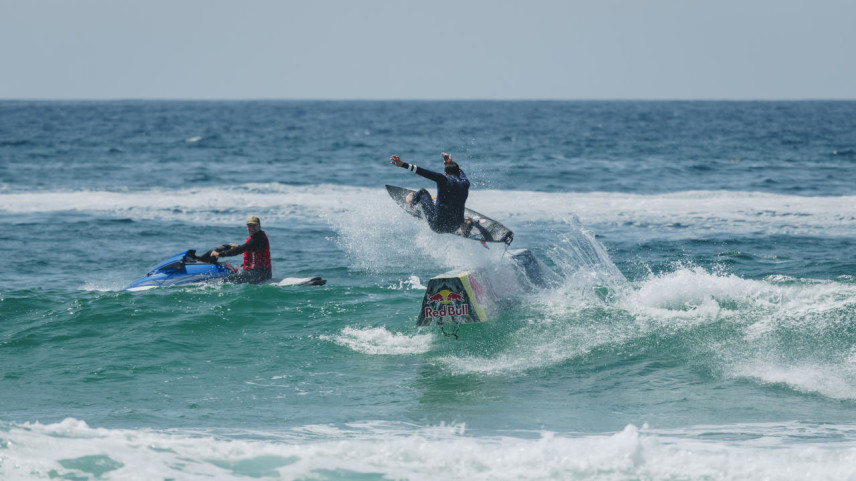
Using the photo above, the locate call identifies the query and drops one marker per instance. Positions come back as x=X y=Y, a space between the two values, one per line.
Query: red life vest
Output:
x=257 y=259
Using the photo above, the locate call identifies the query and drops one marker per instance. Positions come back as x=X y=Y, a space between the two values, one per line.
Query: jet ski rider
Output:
x=447 y=214
x=256 y=250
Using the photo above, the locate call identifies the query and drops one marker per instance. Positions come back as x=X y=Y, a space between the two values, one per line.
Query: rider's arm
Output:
x=248 y=246
x=428 y=174
x=436 y=177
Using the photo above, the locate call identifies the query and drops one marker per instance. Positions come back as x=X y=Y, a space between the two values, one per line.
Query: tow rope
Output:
x=450 y=334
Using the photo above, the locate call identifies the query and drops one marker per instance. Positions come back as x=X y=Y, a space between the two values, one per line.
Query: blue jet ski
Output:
x=183 y=268
x=188 y=268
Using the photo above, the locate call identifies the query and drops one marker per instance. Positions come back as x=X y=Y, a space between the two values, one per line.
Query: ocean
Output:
x=704 y=327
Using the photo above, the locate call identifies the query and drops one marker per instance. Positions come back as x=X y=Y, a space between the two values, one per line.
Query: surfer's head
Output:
x=253 y=224
x=451 y=168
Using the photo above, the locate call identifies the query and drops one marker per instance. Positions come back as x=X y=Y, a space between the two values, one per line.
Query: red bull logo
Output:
x=446 y=297
x=446 y=303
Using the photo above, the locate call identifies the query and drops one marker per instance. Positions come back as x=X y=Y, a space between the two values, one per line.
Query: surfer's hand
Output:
x=395 y=160
x=446 y=157
x=215 y=254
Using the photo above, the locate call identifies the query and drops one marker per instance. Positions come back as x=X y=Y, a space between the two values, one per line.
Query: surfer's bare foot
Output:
x=466 y=225
x=409 y=199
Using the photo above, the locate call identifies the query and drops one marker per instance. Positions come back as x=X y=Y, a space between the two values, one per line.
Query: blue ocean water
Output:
x=705 y=326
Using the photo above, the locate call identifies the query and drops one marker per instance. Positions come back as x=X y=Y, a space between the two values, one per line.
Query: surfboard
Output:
x=302 y=281
x=482 y=228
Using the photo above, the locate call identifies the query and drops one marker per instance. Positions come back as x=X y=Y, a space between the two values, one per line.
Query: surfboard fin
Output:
x=508 y=238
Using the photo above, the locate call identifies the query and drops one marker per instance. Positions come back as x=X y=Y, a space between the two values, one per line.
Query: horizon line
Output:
x=285 y=99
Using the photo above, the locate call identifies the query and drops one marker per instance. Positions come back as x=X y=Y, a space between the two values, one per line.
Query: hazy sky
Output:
x=430 y=49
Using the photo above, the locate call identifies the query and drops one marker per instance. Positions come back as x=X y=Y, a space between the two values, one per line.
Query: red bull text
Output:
x=443 y=305
x=447 y=311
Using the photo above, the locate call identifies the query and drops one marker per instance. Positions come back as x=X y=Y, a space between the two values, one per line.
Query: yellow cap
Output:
x=253 y=220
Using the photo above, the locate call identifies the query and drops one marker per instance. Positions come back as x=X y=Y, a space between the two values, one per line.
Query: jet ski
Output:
x=183 y=268
x=188 y=268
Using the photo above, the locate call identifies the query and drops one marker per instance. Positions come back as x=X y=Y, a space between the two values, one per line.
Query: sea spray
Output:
x=380 y=341
x=577 y=253
x=379 y=236
x=563 y=322
x=778 y=331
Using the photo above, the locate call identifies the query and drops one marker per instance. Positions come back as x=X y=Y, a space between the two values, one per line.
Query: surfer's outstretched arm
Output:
x=435 y=176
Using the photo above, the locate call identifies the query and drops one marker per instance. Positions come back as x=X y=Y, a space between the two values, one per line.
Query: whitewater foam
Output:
x=696 y=211
x=786 y=332
x=380 y=341
x=71 y=449
x=777 y=330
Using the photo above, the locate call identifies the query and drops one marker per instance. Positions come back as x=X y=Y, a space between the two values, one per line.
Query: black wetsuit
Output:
x=447 y=214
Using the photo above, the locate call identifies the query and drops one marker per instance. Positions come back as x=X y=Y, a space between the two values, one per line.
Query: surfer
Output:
x=445 y=215
x=256 y=250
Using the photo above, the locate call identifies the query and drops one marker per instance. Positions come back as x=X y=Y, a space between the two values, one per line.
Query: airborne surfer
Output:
x=445 y=215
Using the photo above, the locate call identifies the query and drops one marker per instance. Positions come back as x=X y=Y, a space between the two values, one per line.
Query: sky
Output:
x=428 y=50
